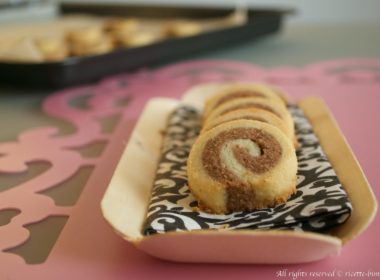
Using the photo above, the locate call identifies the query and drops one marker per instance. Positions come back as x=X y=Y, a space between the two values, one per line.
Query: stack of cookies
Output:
x=115 y=32
x=244 y=158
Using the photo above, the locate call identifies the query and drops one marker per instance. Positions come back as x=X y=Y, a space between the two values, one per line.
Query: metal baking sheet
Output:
x=87 y=69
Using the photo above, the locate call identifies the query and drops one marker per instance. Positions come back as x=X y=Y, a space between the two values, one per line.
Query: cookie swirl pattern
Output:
x=242 y=165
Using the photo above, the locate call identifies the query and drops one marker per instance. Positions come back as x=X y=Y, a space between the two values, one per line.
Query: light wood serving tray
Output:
x=126 y=200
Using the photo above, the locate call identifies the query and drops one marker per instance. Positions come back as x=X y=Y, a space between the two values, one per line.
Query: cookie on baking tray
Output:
x=181 y=28
x=52 y=48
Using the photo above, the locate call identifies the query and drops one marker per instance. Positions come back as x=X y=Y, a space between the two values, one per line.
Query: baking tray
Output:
x=126 y=200
x=87 y=69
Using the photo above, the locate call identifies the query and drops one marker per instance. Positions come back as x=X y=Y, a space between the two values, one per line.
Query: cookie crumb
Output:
x=195 y=209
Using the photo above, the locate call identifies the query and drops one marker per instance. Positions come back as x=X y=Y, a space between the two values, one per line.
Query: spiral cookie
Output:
x=120 y=26
x=138 y=39
x=250 y=114
x=89 y=41
x=52 y=48
x=241 y=165
x=254 y=102
x=241 y=90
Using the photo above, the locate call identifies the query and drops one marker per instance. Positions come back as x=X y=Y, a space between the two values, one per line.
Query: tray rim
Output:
x=349 y=171
x=326 y=129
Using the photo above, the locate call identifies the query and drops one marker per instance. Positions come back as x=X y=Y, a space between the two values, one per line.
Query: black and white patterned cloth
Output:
x=319 y=203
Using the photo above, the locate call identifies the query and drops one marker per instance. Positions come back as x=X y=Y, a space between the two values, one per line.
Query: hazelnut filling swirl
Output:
x=251 y=149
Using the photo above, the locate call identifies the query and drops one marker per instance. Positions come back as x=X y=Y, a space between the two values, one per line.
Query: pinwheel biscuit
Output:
x=250 y=114
x=241 y=90
x=276 y=108
x=241 y=165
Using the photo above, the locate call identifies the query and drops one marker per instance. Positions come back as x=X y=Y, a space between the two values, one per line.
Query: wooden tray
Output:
x=126 y=200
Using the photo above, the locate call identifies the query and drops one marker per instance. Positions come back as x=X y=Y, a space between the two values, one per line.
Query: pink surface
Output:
x=87 y=246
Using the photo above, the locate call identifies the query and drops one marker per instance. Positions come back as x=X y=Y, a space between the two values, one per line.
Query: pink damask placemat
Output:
x=87 y=247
